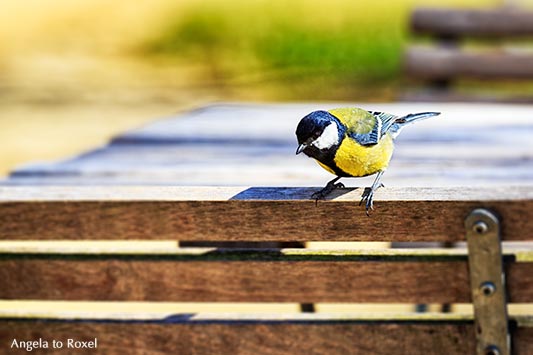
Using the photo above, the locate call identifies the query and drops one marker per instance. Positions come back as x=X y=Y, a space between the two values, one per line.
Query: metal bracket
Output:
x=487 y=283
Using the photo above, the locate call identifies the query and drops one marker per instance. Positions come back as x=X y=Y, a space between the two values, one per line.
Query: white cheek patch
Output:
x=328 y=138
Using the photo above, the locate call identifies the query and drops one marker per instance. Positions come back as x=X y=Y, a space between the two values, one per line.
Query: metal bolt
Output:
x=492 y=350
x=487 y=288
x=480 y=227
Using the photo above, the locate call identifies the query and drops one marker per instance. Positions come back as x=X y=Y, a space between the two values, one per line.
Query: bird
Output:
x=352 y=142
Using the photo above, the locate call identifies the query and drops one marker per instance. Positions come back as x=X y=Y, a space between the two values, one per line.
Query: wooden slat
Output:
x=474 y=23
x=265 y=333
x=445 y=63
x=522 y=341
x=273 y=126
x=450 y=156
x=235 y=282
x=468 y=145
x=252 y=276
x=249 y=337
x=254 y=214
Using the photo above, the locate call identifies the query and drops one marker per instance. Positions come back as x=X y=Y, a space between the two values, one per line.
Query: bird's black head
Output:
x=311 y=128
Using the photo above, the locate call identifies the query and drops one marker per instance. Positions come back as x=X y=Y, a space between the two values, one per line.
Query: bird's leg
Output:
x=330 y=186
x=368 y=195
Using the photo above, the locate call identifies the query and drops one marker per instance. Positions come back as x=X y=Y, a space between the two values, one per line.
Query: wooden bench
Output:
x=454 y=57
x=136 y=214
x=85 y=200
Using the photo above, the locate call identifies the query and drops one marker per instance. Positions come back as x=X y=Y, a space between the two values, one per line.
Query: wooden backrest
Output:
x=462 y=23
x=449 y=57
x=254 y=275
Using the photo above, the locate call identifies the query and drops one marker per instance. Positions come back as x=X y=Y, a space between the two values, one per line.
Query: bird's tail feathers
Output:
x=403 y=121
x=412 y=117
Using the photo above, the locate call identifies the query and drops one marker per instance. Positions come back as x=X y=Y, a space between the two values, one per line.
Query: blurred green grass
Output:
x=257 y=49
x=73 y=73
x=314 y=46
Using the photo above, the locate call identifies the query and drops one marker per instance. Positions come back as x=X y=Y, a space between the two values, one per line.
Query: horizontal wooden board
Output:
x=273 y=125
x=430 y=173
x=185 y=334
x=289 y=275
x=452 y=150
x=446 y=63
x=459 y=158
x=305 y=282
x=254 y=214
x=310 y=337
x=499 y=22
x=215 y=332
x=231 y=144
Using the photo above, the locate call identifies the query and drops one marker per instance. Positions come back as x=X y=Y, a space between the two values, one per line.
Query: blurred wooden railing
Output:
x=452 y=57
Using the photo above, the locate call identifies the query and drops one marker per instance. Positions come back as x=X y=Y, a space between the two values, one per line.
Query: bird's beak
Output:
x=300 y=149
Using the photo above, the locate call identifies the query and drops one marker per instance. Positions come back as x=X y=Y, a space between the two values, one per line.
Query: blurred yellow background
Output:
x=75 y=72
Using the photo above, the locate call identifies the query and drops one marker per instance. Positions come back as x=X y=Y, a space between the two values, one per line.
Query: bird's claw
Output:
x=368 y=198
x=320 y=195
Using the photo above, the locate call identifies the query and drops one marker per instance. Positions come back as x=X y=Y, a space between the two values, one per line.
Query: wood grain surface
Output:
x=267 y=333
x=245 y=144
x=254 y=145
x=249 y=276
x=254 y=214
x=253 y=338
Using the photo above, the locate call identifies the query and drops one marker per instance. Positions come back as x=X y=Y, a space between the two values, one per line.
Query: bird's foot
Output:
x=368 y=198
x=320 y=195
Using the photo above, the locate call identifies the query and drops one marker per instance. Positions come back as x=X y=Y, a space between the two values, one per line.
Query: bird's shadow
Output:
x=288 y=193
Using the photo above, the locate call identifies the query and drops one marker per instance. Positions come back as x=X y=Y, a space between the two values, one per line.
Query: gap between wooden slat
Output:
x=191 y=317
x=521 y=253
x=523 y=313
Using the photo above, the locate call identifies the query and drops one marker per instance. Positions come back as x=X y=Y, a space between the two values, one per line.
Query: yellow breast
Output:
x=357 y=160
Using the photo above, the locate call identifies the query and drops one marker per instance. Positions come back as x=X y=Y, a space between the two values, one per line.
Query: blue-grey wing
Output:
x=382 y=123
x=386 y=119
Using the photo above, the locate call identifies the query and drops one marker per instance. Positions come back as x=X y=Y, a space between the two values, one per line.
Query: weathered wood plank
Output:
x=254 y=214
x=252 y=276
x=522 y=341
x=459 y=158
x=235 y=281
x=273 y=125
x=227 y=337
x=254 y=145
x=264 y=334
x=128 y=194
x=446 y=63
x=502 y=22
x=447 y=150
x=424 y=173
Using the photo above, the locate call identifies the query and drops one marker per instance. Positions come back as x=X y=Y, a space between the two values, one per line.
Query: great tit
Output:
x=352 y=142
